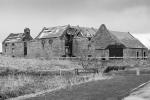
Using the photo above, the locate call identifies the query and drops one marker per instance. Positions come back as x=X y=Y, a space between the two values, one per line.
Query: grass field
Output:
x=112 y=89
x=22 y=64
x=19 y=76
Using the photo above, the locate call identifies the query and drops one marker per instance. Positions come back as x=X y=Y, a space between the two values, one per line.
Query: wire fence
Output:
x=98 y=58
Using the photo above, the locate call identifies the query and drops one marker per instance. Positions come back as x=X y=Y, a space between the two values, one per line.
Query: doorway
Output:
x=115 y=52
x=25 y=48
x=69 y=45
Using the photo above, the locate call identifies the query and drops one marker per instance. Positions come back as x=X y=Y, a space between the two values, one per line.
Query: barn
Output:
x=112 y=44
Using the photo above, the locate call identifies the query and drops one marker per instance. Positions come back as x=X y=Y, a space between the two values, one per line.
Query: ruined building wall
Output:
x=14 y=49
x=80 y=47
x=47 y=48
x=135 y=52
x=55 y=47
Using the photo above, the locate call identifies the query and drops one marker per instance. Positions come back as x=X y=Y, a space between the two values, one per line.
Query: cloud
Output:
x=119 y=5
x=73 y=6
x=144 y=38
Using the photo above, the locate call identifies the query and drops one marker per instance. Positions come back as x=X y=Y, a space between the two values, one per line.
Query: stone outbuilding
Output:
x=117 y=44
x=62 y=41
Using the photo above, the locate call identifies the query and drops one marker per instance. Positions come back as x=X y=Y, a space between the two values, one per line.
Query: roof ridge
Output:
x=57 y=26
x=118 y=31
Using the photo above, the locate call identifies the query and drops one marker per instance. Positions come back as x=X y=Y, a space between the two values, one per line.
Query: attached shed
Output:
x=117 y=44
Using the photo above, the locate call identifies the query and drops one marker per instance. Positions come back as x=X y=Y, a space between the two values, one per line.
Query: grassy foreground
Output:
x=19 y=76
x=14 y=86
x=112 y=89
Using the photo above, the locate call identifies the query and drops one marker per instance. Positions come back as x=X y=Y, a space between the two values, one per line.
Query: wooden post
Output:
x=137 y=71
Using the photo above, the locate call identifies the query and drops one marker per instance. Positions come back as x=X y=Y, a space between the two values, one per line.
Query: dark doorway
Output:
x=25 y=48
x=115 y=52
x=68 y=45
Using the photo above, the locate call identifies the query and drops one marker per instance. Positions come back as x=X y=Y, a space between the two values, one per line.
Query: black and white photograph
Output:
x=74 y=49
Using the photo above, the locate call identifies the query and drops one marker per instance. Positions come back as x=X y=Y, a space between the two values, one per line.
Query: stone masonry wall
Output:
x=47 y=48
x=80 y=47
x=133 y=52
x=14 y=49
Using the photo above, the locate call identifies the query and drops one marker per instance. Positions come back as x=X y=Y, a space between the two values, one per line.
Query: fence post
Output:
x=137 y=71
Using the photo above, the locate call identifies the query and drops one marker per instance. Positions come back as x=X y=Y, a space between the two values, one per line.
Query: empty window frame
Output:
x=144 y=55
x=13 y=44
x=6 y=44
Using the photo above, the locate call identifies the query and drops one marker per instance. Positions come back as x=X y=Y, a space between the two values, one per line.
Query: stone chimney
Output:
x=27 y=31
x=27 y=35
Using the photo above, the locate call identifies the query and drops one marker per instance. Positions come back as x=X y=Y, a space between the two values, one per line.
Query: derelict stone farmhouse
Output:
x=73 y=41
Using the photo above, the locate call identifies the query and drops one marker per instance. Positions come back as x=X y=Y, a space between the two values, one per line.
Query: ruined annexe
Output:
x=74 y=41
x=16 y=44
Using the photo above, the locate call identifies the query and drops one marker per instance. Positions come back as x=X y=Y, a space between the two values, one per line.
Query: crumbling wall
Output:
x=80 y=47
x=14 y=49
x=46 y=48
x=58 y=47
x=34 y=49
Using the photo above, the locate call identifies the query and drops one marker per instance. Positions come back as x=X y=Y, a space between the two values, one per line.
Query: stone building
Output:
x=117 y=44
x=74 y=41
x=16 y=44
x=61 y=41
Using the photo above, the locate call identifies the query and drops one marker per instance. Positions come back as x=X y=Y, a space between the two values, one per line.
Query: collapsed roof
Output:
x=14 y=37
x=124 y=38
x=18 y=37
x=59 y=31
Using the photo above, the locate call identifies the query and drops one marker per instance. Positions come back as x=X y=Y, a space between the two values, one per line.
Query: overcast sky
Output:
x=118 y=15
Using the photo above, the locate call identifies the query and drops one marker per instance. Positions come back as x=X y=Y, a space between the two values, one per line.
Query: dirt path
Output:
x=112 y=89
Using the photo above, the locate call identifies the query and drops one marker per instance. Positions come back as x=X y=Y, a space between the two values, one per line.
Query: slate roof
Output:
x=115 y=37
x=52 y=32
x=128 y=40
x=14 y=37
x=18 y=37
x=59 y=30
